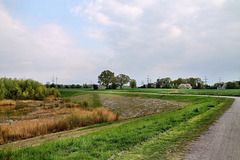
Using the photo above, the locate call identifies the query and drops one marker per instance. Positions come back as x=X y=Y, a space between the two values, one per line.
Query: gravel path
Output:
x=222 y=141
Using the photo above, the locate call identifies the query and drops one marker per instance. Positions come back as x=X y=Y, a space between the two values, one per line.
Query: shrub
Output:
x=95 y=87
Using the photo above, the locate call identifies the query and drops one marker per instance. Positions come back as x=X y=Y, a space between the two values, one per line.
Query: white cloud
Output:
x=150 y=34
x=96 y=34
x=36 y=52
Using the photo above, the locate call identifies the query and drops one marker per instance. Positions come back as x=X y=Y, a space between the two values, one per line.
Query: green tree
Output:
x=122 y=79
x=85 y=85
x=105 y=78
x=192 y=81
x=179 y=81
x=133 y=83
x=232 y=85
x=78 y=86
x=72 y=86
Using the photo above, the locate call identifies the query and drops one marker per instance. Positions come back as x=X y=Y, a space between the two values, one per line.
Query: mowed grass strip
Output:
x=174 y=141
x=105 y=143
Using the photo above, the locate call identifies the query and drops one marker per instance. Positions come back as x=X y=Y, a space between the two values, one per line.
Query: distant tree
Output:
x=159 y=83
x=105 y=78
x=66 y=86
x=52 y=85
x=85 y=85
x=95 y=87
x=60 y=86
x=78 y=86
x=166 y=82
x=47 y=85
x=192 y=81
x=177 y=82
x=133 y=83
x=122 y=79
x=149 y=85
x=143 y=86
x=72 y=86
x=199 y=83
x=232 y=85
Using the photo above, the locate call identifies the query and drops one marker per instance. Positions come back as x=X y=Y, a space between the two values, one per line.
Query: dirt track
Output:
x=222 y=141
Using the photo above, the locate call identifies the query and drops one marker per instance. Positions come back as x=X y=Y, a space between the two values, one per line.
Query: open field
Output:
x=166 y=132
x=215 y=92
x=221 y=92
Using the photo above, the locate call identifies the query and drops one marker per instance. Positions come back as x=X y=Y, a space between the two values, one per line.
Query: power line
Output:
x=148 y=79
x=220 y=79
x=205 y=80
x=56 y=81
x=53 y=79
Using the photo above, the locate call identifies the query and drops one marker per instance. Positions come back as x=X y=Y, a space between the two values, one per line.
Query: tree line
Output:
x=68 y=86
x=107 y=79
x=196 y=83
x=24 y=89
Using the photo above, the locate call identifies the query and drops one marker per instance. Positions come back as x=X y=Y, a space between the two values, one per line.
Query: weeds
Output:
x=79 y=117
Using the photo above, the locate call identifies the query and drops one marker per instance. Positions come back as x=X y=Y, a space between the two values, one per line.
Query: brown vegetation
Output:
x=78 y=117
x=7 y=103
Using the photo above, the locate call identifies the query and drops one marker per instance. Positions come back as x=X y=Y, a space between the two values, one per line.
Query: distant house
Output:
x=185 y=86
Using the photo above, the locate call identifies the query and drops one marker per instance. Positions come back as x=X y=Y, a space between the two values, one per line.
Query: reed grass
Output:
x=78 y=117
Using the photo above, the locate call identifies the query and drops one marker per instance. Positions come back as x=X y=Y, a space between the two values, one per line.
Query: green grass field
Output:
x=154 y=137
x=222 y=92
x=215 y=92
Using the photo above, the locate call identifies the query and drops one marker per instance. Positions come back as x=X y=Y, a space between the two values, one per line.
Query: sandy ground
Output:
x=222 y=141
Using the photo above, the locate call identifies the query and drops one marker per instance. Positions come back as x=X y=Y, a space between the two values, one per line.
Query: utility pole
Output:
x=56 y=81
x=220 y=79
x=53 y=79
x=148 y=79
x=205 y=80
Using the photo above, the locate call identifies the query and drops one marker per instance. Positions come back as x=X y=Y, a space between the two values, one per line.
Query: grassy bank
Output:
x=215 y=92
x=106 y=143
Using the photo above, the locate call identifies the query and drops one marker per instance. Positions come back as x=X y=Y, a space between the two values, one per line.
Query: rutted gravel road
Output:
x=222 y=141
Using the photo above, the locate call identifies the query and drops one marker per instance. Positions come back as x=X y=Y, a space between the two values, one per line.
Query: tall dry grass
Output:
x=78 y=117
x=7 y=102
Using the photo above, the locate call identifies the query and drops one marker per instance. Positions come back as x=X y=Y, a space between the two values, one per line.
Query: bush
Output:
x=24 y=89
x=95 y=87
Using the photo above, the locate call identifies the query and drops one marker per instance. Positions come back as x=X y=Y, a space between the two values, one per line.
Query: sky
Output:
x=74 y=41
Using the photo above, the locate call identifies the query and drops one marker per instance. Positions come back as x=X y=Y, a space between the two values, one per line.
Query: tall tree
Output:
x=105 y=78
x=122 y=79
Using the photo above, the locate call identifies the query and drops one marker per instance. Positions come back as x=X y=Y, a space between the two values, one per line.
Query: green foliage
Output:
x=232 y=85
x=95 y=87
x=122 y=79
x=78 y=86
x=133 y=83
x=24 y=89
x=96 y=100
x=72 y=86
x=105 y=78
x=85 y=86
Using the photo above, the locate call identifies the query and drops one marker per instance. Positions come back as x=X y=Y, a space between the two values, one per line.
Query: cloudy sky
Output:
x=76 y=40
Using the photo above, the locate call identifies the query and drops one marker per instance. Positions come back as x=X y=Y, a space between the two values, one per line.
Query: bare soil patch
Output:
x=128 y=107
